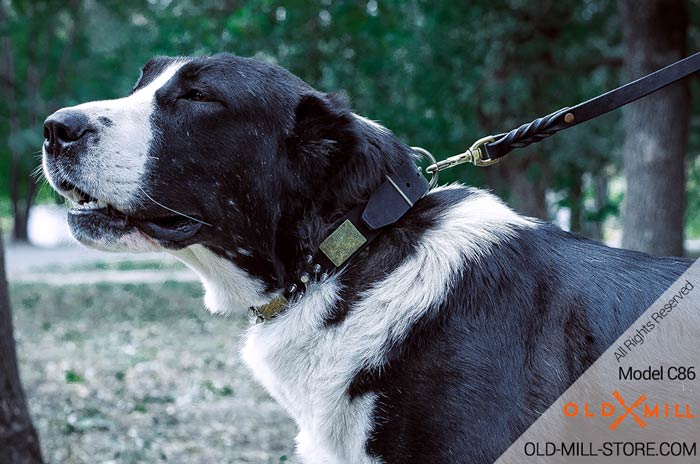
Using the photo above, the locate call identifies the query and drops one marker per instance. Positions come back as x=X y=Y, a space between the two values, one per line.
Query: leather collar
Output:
x=355 y=231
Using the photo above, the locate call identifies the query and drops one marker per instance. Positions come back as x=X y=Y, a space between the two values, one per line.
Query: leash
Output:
x=489 y=150
x=406 y=185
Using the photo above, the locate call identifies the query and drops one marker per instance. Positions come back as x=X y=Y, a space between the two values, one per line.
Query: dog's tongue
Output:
x=171 y=229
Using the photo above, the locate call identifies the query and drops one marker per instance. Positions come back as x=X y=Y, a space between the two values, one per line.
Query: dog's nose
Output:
x=62 y=129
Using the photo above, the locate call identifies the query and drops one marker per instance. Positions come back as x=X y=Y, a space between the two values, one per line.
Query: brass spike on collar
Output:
x=342 y=243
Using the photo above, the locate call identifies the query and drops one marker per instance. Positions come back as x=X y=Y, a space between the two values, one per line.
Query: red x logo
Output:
x=628 y=411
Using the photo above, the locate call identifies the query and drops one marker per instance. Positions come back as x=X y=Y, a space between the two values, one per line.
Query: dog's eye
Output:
x=195 y=95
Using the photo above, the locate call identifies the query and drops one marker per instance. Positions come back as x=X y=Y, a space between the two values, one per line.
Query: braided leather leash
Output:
x=488 y=150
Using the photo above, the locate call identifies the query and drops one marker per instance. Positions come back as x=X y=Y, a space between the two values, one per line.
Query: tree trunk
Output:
x=656 y=129
x=524 y=181
x=19 y=443
x=527 y=196
x=20 y=211
x=576 y=202
x=594 y=229
x=21 y=206
x=20 y=228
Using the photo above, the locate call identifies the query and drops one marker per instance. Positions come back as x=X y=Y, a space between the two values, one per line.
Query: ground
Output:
x=121 y=364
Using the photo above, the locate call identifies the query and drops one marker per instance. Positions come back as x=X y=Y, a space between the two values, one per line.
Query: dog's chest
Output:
x=308 y=371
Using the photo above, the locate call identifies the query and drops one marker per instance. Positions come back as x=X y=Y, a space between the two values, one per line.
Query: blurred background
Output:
x=119 y=361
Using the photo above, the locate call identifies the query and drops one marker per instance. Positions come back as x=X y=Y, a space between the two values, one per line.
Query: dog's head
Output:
x=233 y=164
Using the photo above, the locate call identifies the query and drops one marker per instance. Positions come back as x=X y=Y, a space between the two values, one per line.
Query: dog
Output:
x=441 y=342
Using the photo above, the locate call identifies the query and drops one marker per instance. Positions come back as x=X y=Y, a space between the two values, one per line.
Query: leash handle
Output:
x=546 y=126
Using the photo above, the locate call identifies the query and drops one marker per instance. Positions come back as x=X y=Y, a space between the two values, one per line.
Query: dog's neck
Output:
x=303 y=217
x=351 y=178
x=376 y=155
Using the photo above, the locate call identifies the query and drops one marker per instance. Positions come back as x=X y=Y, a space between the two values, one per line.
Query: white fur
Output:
x=307 y=367
x=371 y=123
x=227 y=287
x=112 y=168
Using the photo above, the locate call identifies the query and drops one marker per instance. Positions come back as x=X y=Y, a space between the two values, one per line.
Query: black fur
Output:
x=273 y=165
x=468 y=380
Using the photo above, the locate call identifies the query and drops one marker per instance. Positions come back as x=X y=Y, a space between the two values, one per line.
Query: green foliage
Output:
x=74 y=377
x=439 y=74
x=211 y=387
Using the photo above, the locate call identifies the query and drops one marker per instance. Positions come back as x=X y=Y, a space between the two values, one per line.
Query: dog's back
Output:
x=532 y=307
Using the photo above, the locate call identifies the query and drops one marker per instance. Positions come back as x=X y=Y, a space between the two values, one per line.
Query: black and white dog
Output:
x=440 y=343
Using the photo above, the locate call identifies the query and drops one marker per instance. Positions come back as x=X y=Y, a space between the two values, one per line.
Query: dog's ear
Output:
x=323 y=127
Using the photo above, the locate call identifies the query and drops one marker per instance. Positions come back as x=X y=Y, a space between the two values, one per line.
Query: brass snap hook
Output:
x=475 y=155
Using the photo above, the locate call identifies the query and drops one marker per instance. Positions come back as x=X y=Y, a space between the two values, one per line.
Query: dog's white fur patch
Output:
x=112 y=169
x=308 y=368
x=227 y=287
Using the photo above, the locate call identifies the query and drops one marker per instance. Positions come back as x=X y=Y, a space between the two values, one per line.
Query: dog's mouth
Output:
x=97 y=216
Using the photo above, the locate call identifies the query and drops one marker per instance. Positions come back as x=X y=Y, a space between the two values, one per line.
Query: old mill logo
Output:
x=640 y=411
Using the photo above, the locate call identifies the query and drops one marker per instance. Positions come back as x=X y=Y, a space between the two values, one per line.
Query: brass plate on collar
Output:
x=273 y=308
x=342 y=243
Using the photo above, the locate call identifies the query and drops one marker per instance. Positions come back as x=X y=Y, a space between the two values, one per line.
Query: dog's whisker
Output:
x=37 y=173
x=173 y=210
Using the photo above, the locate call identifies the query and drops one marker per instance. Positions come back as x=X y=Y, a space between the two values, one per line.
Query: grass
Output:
x=121 y=265
x=131 y=373
x=109 y=302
